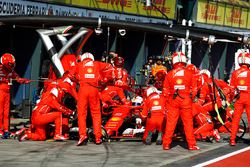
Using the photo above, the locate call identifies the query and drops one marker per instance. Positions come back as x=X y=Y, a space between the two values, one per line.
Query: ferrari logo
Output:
x=156 y=102
x=89 y=70
x=179 y=81
x=242 y=82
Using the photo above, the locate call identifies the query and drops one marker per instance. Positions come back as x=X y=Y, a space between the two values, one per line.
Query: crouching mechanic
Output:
x=154 y=112
x=49 y=110
x=178 y=87
x=109 y=94
x=7 y=74
x=204 y=126
x=88 y=73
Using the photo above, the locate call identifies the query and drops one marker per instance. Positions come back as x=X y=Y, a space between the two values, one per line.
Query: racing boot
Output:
x=12 y=135
x=20 y=133
x=23 y=137
x=159 y=139
x=232 y=143
x=98 y=141
x=6 y=135
x=194 y=147
x=166 y=146
x=82 y=141
x=216 y=135
x=59 y=137
x=210 y=139
x=66 y=135
x=148 y=139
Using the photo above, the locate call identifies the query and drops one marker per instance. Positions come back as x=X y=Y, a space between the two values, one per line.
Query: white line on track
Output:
x=222 y=157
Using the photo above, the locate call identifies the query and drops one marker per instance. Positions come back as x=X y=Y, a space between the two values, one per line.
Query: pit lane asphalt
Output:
x=114 y=153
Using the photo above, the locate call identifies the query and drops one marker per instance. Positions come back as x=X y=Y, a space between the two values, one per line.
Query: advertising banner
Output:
x=19 y=7
x=135 y=7
x=242 y=3
x=244 y=18
x=224 y=14
x=210 y=13
x=234 y=17
x=248 y=21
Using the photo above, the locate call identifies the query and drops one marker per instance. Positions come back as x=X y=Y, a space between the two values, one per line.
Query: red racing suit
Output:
x=48 y=110
x=227 y=116
x=204 y=105
x=154 y=112
x=89 y=73
x=204 y=127
x=207 y=96
x=207 y=100
x=159 y=79
x=108 y=94
x=121 y=78
x=5 y=82
x=196 y=76
x=68 y=62
x=178 y=87
x=240 y=80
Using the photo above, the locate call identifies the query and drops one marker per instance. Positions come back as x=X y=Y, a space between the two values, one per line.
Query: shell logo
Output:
x=89 y=70
x=242 y=82
x=115 y=119
x=156 y=102
x=179 y=81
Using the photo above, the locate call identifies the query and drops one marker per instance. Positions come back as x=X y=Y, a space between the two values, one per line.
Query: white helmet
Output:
x=244 y=58
x=206 y=72
x=178 y=57
x=87 y=55
x=151 y=90
x=137 y=101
